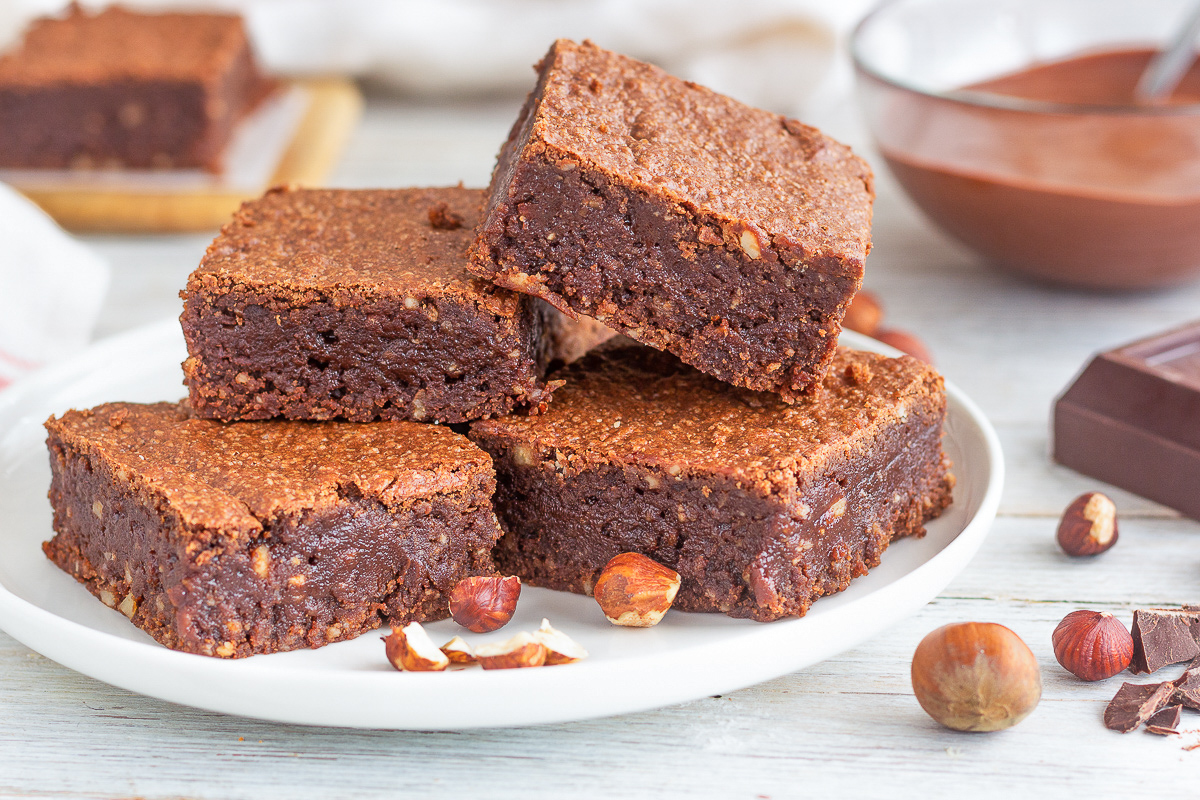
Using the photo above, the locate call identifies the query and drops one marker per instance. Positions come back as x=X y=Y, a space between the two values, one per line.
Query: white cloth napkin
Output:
x=51 y=289
x=771 y=53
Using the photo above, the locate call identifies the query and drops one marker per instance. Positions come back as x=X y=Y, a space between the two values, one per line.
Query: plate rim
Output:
x=67 y=642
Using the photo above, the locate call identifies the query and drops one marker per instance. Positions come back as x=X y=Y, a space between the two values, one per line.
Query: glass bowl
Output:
x=1080 y=194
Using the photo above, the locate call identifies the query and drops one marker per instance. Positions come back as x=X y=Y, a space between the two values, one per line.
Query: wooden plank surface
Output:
x=846 y=727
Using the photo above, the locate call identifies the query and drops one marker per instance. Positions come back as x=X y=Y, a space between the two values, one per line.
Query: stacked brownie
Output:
x=760 y=506
x=306 y=491
x=242 y=521
x=733 y=239
x=253 y=537
x=728 y=236
x=325 y=304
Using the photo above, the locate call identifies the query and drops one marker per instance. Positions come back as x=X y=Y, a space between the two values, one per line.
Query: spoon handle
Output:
x=1168 y=66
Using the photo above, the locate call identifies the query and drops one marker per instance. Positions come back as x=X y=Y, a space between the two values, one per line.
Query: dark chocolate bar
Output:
x=1132 y=418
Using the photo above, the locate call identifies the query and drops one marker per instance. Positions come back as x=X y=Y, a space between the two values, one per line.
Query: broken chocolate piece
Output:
x=1164 y=722
x=1135 y=703
x=1163 y=636
x=1161 y=731
x=1187 y=690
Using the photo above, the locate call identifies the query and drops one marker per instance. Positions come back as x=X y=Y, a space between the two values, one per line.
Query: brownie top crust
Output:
x=314 y=242
x=118 y=44
x=625 y=403
x=231 y=478
x=704 y=150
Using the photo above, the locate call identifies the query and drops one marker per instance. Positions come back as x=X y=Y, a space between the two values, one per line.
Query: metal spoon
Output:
x=1168 y=66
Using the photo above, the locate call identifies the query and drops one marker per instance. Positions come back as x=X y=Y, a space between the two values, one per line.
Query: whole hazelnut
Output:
x=635 y=591
x=864 y=314
x=1088 y=526
x=976 y=676
x=1092 y=645
x=905 y=342
x=485 y=602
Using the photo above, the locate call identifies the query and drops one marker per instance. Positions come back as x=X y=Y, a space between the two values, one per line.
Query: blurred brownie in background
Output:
x=121 y=89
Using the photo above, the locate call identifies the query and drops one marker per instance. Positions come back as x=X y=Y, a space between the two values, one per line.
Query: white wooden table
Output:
x=849 y=726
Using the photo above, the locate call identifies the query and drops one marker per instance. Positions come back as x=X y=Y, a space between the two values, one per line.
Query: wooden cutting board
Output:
x=334 y=106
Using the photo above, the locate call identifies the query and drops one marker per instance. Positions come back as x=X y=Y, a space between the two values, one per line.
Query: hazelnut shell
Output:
x=484 y=603
x=1092 y=645
x=976 y=676
x=864 y=314
x=635 y=591
x=1088 y=526
x=905 y=342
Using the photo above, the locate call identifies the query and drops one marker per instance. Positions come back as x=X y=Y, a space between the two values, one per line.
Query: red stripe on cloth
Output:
x=16 y=361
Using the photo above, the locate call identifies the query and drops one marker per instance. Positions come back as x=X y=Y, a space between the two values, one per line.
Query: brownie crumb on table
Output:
x=356 y=305
x=761 y=506
x=729 y=236
x=124 y=89
x=234 y=539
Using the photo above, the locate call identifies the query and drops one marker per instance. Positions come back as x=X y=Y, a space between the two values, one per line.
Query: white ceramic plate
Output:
x=350 y=683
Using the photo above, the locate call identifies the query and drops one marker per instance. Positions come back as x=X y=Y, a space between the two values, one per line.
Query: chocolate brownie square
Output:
x=126 y=89
x=729 y=236
x=230 y=540
x=324 y=303
x=761 y=506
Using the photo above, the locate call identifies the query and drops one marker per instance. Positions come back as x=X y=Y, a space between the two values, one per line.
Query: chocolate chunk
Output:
x=1187 y=690
x=1130 y=419
x=1161 y=731
x=1135 y=703
x=1164 y=722
x=1163 y=636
